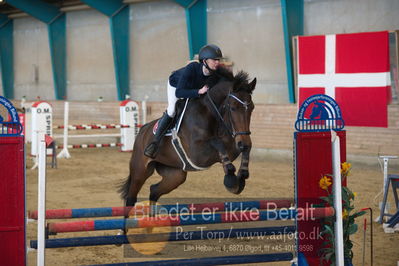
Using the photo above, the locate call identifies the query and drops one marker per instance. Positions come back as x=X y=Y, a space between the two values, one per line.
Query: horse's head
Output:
x=232 y=96
x=239 y=109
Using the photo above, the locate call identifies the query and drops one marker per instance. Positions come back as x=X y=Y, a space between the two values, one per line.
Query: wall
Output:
x=251 y=35
x=158 y=47
x=272 y=126
x=346 y=16
x=90 y=71
x=32 y=66
x=249 y=32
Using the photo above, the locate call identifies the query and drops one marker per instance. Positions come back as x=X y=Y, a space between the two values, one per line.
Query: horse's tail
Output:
x=123 y=188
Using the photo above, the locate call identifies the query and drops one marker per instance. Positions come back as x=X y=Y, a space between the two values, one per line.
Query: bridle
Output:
x=230 y=129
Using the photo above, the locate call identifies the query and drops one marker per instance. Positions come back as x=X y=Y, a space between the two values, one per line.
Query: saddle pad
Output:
x=176 y=126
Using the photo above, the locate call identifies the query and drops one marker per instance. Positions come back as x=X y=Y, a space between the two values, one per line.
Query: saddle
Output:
x=188 y=165
x=181 y=105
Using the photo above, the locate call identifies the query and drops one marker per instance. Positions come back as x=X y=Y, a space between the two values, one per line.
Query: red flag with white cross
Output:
x=351 y=68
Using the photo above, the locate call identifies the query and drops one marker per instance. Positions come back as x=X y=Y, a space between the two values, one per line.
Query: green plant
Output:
x=349 y=215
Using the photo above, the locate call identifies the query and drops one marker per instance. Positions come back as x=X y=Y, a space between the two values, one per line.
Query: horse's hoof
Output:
x=234 y=184
x=243 y=174
x=241 y=185
x=230 y=181
x=230 y=169
x=120 y=233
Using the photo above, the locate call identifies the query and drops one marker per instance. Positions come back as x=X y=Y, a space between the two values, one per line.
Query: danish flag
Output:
x=351 y=68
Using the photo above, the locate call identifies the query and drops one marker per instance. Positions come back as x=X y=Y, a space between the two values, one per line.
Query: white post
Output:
x=65 y=153
x=129 y=116
x=28 y=123
x=144 y=110
x=337 y=189
x=35 y=158
x=42 y=120
x=384 y=209
x=41 y=202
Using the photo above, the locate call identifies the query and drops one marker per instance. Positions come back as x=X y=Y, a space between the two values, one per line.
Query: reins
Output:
x=231 y=130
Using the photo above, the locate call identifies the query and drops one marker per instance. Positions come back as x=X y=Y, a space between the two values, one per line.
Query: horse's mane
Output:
x=240 y=80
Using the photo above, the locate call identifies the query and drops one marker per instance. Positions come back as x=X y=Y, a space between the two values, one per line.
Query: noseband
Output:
x=230 y=128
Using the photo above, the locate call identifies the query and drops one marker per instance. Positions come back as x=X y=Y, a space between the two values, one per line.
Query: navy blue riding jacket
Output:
x=188 y=80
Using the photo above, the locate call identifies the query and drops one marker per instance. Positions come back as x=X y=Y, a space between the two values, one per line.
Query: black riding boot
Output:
x=163 y=124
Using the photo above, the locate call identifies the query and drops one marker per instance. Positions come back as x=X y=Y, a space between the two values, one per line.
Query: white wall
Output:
x=249 y=32
x=90 y=64
x=32 y=54
x=346 y=16
x=158 y=46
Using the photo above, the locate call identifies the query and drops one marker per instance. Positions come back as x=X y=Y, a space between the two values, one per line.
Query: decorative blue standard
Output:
x=319 y=113
x=10 y=125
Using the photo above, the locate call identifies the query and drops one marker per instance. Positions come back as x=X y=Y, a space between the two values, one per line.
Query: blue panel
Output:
x=7 y=56
x=56 y=24
x=120 y=47
x=197 y=26
x=57 y=40
x=119 y=23
x=36 y=8
x=292 y=14
x=3 y=19
x=185 y=3
x=196 y=19
x=107 y=7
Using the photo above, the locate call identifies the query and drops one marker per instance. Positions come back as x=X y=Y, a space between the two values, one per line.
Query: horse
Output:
x=215 y=128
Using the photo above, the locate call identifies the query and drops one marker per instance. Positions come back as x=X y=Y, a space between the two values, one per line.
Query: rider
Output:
x=186 y=82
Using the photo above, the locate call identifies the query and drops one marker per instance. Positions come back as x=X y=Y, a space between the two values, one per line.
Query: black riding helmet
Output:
x=210 y=51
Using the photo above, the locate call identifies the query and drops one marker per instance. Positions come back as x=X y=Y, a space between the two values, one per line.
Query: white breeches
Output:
x=172 y=99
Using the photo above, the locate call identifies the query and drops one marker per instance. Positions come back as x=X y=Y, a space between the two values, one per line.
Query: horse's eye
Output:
x=233 y=109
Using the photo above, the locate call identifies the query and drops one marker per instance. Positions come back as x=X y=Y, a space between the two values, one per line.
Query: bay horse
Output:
x=214 y=128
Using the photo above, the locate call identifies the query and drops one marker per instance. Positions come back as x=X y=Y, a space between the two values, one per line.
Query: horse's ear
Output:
x=251 y=85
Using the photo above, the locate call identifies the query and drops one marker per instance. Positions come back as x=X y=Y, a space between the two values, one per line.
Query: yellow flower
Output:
x=325 y=182
x=354 y=194
x=345 y=168
x=345 y=214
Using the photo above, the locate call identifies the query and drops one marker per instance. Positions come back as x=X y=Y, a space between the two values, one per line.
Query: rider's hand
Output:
x=203 y=90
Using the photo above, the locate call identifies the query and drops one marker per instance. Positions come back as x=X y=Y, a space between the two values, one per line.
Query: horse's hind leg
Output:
x=138 y=175
x=171 y=179
x=137 y=179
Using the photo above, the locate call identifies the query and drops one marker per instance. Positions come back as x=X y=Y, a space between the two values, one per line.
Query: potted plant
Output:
x=348 y=213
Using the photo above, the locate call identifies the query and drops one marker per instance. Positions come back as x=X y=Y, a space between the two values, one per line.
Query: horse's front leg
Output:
x=231 y=181
x=243 y=172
